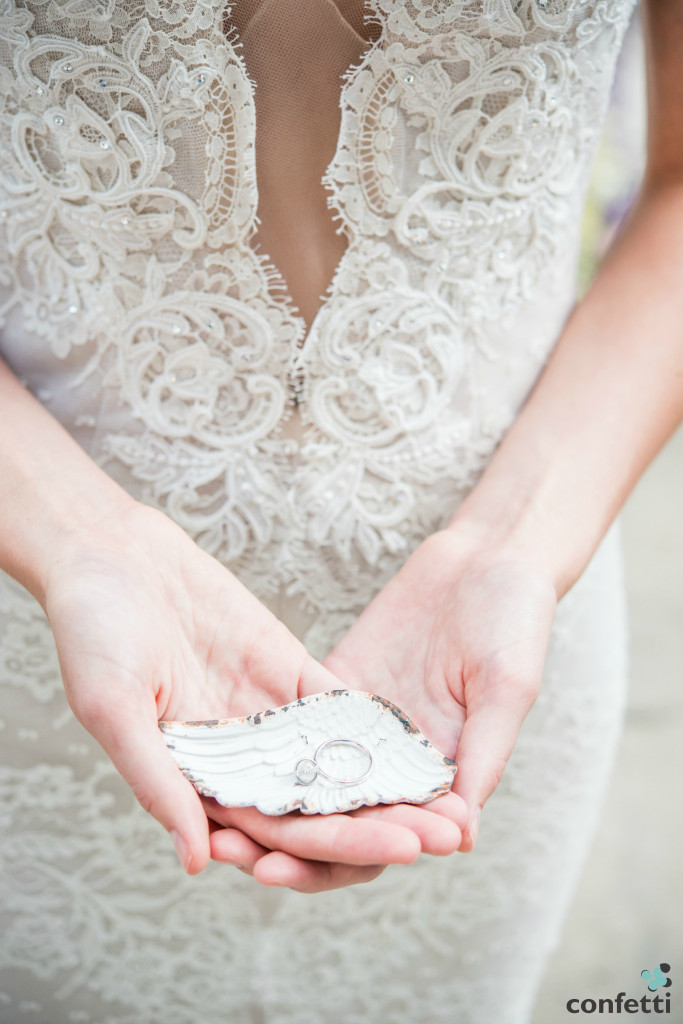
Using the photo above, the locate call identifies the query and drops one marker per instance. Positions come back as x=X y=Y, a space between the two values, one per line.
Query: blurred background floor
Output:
x=628 y=911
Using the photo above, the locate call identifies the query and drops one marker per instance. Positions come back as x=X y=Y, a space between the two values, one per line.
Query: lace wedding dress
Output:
x=308 y=376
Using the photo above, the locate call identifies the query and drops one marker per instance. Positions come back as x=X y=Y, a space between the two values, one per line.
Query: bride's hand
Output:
x=150 y=627
x=458 y=640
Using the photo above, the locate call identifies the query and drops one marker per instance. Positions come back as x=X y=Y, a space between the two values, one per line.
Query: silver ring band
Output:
x=307 y=769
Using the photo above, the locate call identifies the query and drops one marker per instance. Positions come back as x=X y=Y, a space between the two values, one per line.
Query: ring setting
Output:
x=309 y=768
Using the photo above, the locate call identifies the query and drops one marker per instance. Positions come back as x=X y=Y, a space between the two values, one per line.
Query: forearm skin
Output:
x=607 y=401
x=50 y=490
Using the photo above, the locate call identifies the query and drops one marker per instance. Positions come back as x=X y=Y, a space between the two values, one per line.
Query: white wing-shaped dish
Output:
x=321 y=754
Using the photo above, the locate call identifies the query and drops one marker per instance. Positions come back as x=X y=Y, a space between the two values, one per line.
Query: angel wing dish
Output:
x=321 y=754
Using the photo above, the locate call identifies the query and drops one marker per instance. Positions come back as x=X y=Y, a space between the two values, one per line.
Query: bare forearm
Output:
x=49 y=488
x=610 y=396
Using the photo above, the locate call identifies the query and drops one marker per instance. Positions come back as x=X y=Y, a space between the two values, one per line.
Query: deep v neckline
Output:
x=275 y=276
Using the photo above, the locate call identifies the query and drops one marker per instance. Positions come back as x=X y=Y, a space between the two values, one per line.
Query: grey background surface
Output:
x=628 y=911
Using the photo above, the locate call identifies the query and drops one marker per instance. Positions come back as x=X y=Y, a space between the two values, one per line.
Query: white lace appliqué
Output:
x=129 y=201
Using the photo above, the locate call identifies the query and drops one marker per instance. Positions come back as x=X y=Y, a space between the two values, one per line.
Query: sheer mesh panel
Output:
x=296 y=53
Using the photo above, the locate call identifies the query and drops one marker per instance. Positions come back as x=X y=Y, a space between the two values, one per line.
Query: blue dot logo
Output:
x=657 y=978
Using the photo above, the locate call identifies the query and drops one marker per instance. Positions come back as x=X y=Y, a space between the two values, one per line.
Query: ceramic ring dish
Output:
x=326 y=753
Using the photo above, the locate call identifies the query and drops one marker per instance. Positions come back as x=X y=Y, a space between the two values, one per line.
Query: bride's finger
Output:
x=230 y=846
x=452 y=806
x=485 y=746
x=126 y=727
x=332 y=837
x=438 y=834
x=281 y=869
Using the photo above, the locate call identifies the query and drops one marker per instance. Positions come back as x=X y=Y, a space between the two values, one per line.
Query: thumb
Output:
x=133 y=741
x=486 y=743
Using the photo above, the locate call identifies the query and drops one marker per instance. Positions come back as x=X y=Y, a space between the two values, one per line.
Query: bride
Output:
x=296 y=396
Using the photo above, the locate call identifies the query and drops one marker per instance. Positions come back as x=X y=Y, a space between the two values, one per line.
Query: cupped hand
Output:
x=457 y=639
x=149 y=627
x=320 y=852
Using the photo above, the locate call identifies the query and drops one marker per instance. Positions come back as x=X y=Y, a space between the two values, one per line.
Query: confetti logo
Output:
x=656 y=979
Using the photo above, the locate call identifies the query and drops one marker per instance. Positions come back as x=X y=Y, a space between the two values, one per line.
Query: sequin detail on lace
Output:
x=129 y=196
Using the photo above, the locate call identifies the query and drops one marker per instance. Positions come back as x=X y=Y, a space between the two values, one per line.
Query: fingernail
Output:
x=474 y=825
x=181 y=848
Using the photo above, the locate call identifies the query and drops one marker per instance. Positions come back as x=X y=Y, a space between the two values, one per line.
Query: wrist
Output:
x=464 y=548
x=52 y=495
x=59 y=522
x=505 y=534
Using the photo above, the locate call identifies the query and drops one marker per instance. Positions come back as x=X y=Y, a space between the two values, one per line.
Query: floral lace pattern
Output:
x=311 y=462
x=129 y=201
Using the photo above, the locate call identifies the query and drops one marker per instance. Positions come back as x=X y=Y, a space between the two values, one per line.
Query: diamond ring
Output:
x=308 y=768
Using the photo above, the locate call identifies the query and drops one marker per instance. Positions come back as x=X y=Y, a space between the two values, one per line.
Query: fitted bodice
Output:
x=289 y=270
